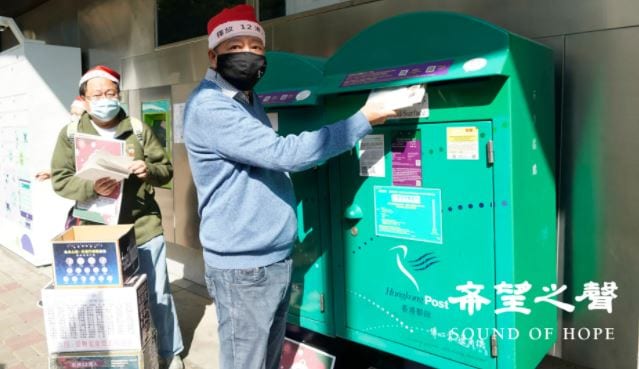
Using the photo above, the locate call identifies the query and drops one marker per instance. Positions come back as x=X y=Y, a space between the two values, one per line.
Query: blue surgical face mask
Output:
x=104 y=110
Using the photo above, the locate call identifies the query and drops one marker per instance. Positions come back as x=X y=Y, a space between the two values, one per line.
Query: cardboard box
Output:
x=94 y=256
x=140 y=359
x=97 y=319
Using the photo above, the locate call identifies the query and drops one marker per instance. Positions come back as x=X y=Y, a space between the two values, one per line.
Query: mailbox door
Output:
x=418 y=241
x=311 y=292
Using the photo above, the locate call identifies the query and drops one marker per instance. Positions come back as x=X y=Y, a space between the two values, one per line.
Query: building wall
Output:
x=598 y=104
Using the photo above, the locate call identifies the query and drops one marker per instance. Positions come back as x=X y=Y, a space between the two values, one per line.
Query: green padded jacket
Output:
x=138 y=199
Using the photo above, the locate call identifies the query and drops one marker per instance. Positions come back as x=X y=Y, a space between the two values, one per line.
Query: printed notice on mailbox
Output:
x=371 y=156
x=408 y=213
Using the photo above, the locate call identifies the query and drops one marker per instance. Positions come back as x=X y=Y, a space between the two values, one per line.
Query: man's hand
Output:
x=376 y=114
x=105 y=186
x=139 y=169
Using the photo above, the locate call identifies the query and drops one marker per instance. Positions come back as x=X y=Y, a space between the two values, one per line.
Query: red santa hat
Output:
x=102 y=72
x=239 y=20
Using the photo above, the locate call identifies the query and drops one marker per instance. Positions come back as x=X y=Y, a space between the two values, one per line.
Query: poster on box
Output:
x=96 y=362
x=101 y=209
x=145 y=359
x=95 y=256
x=296 y=355
x=97 y=319
x=87 y=264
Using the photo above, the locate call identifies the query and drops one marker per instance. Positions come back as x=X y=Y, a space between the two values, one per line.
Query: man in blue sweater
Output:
x=245 y=197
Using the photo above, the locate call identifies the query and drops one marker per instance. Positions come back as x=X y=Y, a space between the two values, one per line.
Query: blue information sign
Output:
x=409 y=213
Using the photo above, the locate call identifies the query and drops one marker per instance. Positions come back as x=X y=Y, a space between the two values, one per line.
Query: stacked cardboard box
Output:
x=94 y=256
x=96 y=310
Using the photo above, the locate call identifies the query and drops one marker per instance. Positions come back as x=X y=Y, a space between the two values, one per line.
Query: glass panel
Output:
x=179 y=20
x=270 y=9
x=157 y=115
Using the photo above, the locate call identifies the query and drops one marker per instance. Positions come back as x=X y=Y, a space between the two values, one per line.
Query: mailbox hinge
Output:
x=493 y=345
x=321 y=302
x=490 y=154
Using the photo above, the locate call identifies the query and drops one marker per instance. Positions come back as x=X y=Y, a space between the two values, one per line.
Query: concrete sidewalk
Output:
x=22 y=340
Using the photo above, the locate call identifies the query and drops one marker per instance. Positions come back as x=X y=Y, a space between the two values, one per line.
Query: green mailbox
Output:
x=443 y=221
x=288 y=92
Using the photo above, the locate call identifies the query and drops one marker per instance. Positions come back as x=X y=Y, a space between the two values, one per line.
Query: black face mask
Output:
x=242 y=70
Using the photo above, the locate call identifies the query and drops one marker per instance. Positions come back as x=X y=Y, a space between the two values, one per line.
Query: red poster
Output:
x=102 y=209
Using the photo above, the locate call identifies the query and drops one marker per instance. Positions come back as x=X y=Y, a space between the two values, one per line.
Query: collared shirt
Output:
x=227 y=88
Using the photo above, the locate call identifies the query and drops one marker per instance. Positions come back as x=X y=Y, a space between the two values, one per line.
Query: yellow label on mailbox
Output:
x=462 y=143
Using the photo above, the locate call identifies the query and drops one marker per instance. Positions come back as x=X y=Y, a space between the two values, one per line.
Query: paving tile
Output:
x=7 y=287
x=33 y=315
x=18 y=342
x=26 y=354
x=7 y=358
x=199 y=290
x=19 y=366
x=190 y=365
x=41 y=348
x=20 y=328
x=39 y=363
x=181 y=283
x=12 y=327
x=39 y=327
x=6 y=334
x=9 y=361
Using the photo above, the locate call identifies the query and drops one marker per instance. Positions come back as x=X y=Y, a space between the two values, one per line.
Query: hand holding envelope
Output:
x=397 y=97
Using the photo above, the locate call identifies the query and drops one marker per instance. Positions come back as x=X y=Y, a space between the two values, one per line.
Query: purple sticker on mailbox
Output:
x=394 y=74
x=284 y=97
x=406 y=150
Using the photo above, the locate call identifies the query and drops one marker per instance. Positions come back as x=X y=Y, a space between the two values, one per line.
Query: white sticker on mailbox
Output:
x=419 y=110
x=303 y=95
x=462 y=143
x=371 y=156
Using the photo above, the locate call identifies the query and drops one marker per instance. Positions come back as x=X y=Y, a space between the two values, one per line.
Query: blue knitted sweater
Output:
x=240 y=168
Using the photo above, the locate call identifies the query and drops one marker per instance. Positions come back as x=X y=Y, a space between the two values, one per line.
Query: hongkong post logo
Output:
x=409 y=266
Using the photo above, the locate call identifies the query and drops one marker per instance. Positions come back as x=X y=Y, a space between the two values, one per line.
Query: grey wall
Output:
x=107 y=31
x=598 y=105
x=600 y=184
